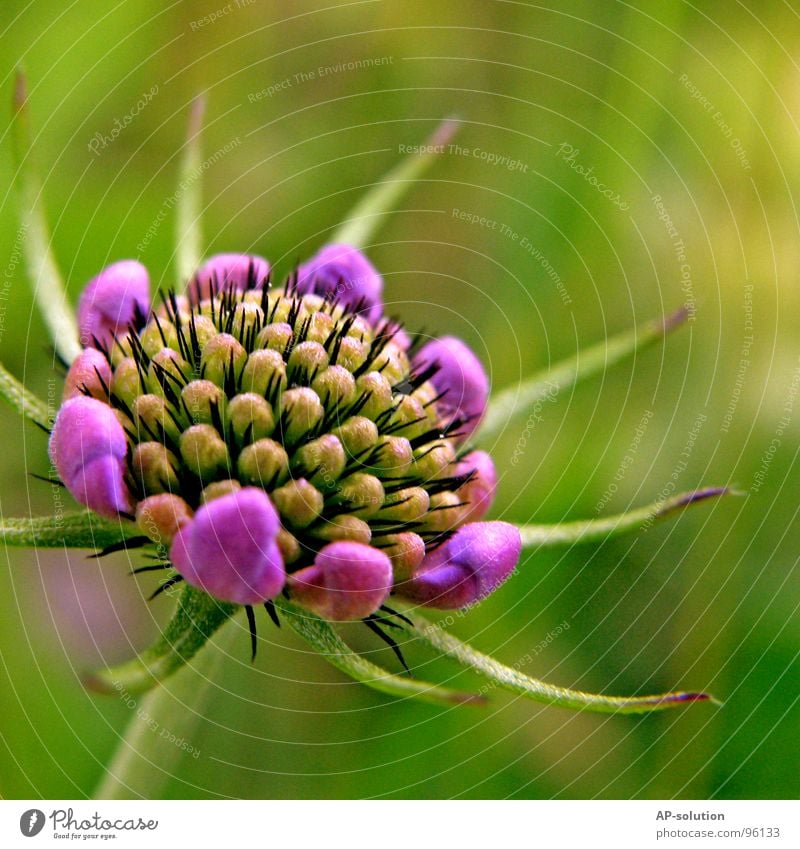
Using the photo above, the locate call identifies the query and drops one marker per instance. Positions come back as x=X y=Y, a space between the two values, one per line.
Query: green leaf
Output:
x=321 y=636
x=23 y=400
x=189 y=229
x=43 y=274
x=514 y=680
x=195 y=620
x=368 y=214
x=514 y=402
x=594 y=530
x=70 y=530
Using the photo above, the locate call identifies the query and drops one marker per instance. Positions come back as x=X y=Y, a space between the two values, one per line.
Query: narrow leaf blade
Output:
x=42 y=270
x=197 y=617
x=189 y=228
x=596 y=530
x=70 y=530
x=514 y=402
x=322 y=637
x=368 y=214
x=517 y=682
x=23 y=400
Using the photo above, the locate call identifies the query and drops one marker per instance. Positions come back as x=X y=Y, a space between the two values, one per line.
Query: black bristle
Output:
x=168 y=584
x=372 y=624
x=251 y=623
x=123 y=545
x=269 y=606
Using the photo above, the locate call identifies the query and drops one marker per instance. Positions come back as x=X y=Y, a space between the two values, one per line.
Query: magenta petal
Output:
x=88 y=448
x=460 y=376
x=479 y=490
x=89 y=371
x=226 y=271
x=345 y=273
x=229 y=548
x=467 y=568
x=118 y=296
x=349 y=580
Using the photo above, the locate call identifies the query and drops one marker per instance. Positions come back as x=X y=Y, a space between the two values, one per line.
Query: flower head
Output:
x=282 y=440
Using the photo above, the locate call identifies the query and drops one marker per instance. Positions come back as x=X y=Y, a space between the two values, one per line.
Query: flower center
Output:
x=299 y=395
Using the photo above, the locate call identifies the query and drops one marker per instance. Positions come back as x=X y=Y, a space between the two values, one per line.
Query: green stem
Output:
x=70 y=530
x=146 y=758
x=18 y=396
x=596 y=530
x=189 y=232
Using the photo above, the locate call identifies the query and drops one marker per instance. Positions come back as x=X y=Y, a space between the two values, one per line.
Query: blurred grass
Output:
x=706 y=602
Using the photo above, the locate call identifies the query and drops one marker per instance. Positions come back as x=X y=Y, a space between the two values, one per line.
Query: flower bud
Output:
x=204 y=452
x=275 y=337
x=446 y=513
x=322 y=461
x=223 y=357
x=229 y=549
x=406 y=551
x=300 y=414
x=154 y=468
x=250 y=417
x=225 y=272
x=391 y=456
x=347 y=581
x=307 y=360
x=406 y=505
x=204 y=402
x=345 y=274
x=379 y=392
x=152 y=418
x=361 y=493
x=466 y=568
x=298 y=502
x=357 y=435
x=352 y=354
x=480 y=489
x=265 y=374
x=460 y=377
x=263 y=463
x=126 y=383
x=218 y=489
x=343 y=527
x=335 y=386
x=89 y=373
x=88 y=448
x=433 y=460
x=118 y=297
x=160 y=517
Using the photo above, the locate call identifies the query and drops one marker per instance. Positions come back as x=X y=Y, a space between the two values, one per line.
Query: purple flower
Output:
x=349 y=580
x=469 y=566
x=116 y=298
x=229 y=548
x=460 y=376
x=480 y=489
x=90 y=372
x=88 y=448
x=344 y=272
x=228 y=271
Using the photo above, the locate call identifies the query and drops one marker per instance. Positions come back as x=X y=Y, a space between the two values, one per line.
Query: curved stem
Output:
x=163 y=725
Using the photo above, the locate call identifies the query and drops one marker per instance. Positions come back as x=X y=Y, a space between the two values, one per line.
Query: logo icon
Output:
x=31 y=822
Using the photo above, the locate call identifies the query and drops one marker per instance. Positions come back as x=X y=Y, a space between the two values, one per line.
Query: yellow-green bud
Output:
x=298 y=502
x=264 y=463
x=250 y=418
x=204 y=452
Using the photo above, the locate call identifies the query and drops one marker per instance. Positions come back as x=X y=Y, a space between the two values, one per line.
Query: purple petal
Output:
x=91 y=371
x=229 y=548
x=467 y=568
x=480 y=490
x=226 y=271
x=88 y=448
x=119 y=295
x=460 y=376
x=344 y=272
x=349 y=580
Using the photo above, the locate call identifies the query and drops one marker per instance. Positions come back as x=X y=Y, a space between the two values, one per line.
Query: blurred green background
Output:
x=695 y=105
